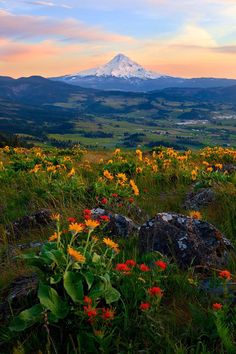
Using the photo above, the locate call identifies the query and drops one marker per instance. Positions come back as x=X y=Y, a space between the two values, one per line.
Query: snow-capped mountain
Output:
x=122 y=67
x=123 y=74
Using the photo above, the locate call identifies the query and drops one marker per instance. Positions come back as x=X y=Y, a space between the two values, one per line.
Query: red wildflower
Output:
x=107 y=314
x=122 y=267
x=90 y=311
x=88 y=300
x=155 y=291
x=145 y=190
x=104 y=218
x=130 y=263
x=161 y=264
x=71 y=220
x=144 y=268
x=120 y=205
x=87 y=211
x=104 y=201
x=225 y=274
x=144 y=306
x=217 y=306
x=131 y=200
x=114 y=195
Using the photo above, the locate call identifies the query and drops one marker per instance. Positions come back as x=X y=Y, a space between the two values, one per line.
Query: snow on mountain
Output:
x=120 y=67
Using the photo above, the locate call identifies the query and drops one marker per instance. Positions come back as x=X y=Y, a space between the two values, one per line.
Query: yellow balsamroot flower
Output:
x=134 y=187
x=122 y=178
x=117 y=152
x=76 y=255
x=139 y=169
x=92 y=224
x=195 y=214
x=139 y=154
x=209 y=169
x=219 y=166
x=194 y=175
x=55 y=217
x=205 y=163
x=108 y=175
x=111 y=244
x=6 y=149
x=71 y=173
x=75 y=227
x=55 y=236
x=36 y=168
x=154 y=168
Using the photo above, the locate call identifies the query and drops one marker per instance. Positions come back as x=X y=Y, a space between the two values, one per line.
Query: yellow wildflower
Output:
x=195 y=214
x=71 y=173
x=76 y=255
x=111 y=244
x=55 y=236
x=92 y=224
x=117 y=152
x=134 y=187
x=76 y=227
x=219 y=166
x=194 y=175
x=139 y=169
x=107 y=174
x=209 y=169
x=55 y=217
x=139 y=154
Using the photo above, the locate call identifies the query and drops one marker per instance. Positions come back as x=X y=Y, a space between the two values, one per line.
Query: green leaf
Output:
x=96 y=258
x=26 y=318
x=56 y=256
x=89 y=277
x=50 y=299
x=74 y=286
x=111 y=295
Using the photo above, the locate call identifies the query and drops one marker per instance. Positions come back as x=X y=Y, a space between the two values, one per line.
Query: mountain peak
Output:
x=120 y=66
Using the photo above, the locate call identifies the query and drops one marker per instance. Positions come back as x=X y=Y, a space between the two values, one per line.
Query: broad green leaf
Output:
x=74 y=286
x=89 y=277
x=26 y=318
x=50 y=299
x=96 y=258
x=111 y=295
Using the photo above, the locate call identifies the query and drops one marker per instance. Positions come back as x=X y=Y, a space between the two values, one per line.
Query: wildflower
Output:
x=114 y=195
x=134 y=187
x=111 y=244
x=120 y=205
x=95 y=238
x=117 y=151
x=104 y=201
x=139 y=154
x=122 y=267
x=71 y=220
x=104 y=218
x=195 y=215
x=92 y=224
x=217 y=306
x=55 y=236
x=154 y=168
x=77 y=228
x=131 y=200
x=139 y=169
x=219 y=166
x=108 y=175
x=121 y=177
x=71 y=173
x=88 y=300
x=108 y=314
x=155 y=291
x=76 y=255
x=144 y=268
x=130 y=263
x=225 y=274
x=55 y=217
x=87 y=214
x=161 y=264
x=194 y=175
x=90 y=311
x=144 y=306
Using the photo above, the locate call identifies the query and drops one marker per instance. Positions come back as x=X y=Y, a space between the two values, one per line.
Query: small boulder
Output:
x=38 y=219
x=119 y=225
x=188 y=241
x=199 y=199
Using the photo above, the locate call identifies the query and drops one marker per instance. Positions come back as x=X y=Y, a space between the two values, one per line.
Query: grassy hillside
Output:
x=98 y=293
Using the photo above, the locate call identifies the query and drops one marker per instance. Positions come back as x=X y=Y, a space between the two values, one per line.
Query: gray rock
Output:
x=119 y=225
x=189 y=242
x=199 y=199
x=38 y=219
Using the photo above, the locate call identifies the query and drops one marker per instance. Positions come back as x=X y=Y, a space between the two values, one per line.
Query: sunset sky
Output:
x=188 y=38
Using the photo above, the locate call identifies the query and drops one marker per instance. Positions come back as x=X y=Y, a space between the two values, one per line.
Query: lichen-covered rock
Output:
x=119 y=225
x=188 y=241
x=38 y=219
x=199 y=199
